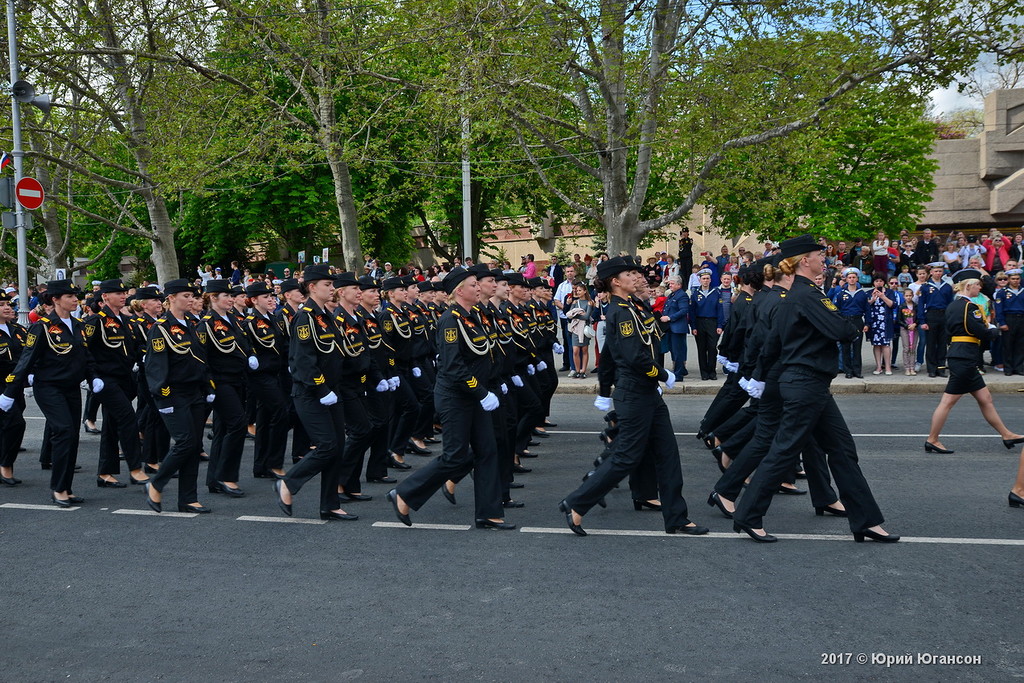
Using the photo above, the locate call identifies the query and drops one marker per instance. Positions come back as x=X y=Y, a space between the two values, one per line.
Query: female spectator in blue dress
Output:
x=880 y=324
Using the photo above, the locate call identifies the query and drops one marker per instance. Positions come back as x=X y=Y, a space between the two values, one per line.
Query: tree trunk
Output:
x=165 y=258
x=351 y=250
x=621 y=235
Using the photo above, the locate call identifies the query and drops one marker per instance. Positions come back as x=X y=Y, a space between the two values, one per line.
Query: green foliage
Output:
x=866 y=170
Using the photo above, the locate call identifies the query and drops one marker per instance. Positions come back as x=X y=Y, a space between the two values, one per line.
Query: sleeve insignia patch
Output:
x=202 y=337
x=303 y=332
x=158 y=344
x=90 y=330
x=165 y=391
x=829 y=305
x=977 y=314
x=31 y=341
x=10 y=378
x=626 y=328
x=388 y=326
x=319 y=380
x=451 y=335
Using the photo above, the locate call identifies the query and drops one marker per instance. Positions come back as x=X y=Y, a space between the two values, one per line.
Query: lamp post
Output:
x=19 y=155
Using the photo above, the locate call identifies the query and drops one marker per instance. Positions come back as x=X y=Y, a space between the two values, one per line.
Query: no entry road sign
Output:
x=29 y=193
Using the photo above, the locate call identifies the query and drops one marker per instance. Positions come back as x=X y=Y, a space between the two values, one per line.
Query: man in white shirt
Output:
x=564 y=290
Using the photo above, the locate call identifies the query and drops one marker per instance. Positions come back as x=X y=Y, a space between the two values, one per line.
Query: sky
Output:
x=946 y=100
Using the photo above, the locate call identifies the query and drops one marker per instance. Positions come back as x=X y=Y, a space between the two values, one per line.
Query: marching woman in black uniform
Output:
x=378 y=404
x=317 y=362
x=966 y=327
x=148 y=306
x=229 y=356
x=461 y=395
x=628 y=361
x=398 y=335
x=362 y=377
x=58 y=358
x=12 y=420
x=265 y=384
x=292 y=299
x=806 y=329
x=179 y=381
x=111 y=342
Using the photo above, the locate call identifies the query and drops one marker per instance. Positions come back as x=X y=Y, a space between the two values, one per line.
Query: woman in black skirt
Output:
x=967 y=327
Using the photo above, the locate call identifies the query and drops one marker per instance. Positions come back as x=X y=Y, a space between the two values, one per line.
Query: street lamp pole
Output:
x=19 y=157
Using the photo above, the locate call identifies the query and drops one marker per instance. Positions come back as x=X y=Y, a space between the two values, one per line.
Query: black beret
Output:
x=516 y=279
x=57 y=288
x=367 y=282
x=217 y=287
x=966 y=274
x=143 y=293
x=258 y=288
x=289 y=284
x=346 y=280
x=614 y=266
x=392 y=283
x=179 y=286
x=799 y=245
x=113 y=287
x=455 y=277
x=317 y=272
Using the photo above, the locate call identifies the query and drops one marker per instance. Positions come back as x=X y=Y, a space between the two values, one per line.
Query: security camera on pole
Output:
x=25 y=195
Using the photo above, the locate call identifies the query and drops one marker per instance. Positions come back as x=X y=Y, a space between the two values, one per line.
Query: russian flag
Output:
x=5 y=160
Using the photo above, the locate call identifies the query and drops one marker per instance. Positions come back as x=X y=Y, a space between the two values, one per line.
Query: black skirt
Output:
x=964 y=377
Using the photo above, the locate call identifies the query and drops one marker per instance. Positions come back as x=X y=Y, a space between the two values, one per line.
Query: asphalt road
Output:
x=95 y=594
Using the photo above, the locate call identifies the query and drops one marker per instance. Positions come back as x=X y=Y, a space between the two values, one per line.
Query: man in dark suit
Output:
x=555 y=271
x=927 y=250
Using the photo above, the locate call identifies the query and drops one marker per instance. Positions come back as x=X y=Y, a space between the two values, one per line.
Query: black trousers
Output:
x=936 y=340
x=736 y=422
x=643 y=481
x=503 y=436
x=406 y=411
x=707 y=346
x=1012 y=342
x=567 y=362
x=229 y=427
x=378 y=409
x=809 y=410
x=120 y=427
x=185 y=425
x=424 y=387
x=326 y=428
x=749 y=457
x=156 y=440
x=300 y=439
x=62 y=406
x=729 y=399
x=358 y=437
x=531 y=412
x=12 y=432
x=643 y=423
x=850 y=352
x=547 y=382
x=468 y=440
x=92 y=406
x=272 y=413
x=46 y=450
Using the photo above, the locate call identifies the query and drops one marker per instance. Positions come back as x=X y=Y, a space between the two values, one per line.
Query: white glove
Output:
x=489 y=402
x=542 y=366
x=504 y=388
x=732 y=367
x=97 y=385
x=416 y=372
x=254 y=363
x=603 y=403
x=558 y=348
x=660 y=392
x=755 y=388
x=166 y=411
x=517 y=380
x=210 y=398
x=6 y=402
x=670 y=382
x=530 y=369
x=397 y=382
x=392 y=383
x=135 y=368
x=329 y=400
x=383 y=386
x=743 y=383
x=722 y=360
x=31 y=380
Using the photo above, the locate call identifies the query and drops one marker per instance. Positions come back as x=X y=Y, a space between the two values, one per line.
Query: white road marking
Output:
x=48 y=508
x=415 y=525
x=866 y=436
x=151 y=513
x=788 y=537
x=280 y=520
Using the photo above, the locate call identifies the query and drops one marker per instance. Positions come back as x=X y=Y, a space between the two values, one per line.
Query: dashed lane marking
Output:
x=789 y=537
x=151 y=513
x=866 y=436
x=47 y=508
x=280 y=520
x=436 y=527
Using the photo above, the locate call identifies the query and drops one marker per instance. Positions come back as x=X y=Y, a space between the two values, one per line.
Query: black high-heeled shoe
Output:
x=717 y=454
x=231 y=492
x=153 y=505
x=60 y=503
x=104 y=484
x=573 y=526
x=343 y=516
x=859 y=536
x=932 y=448
x=490 y=524
x=639 y=505
x=88 y=429
x=715 y=501
x=1015 y=500
x=393 y=499
x=1010 y=443
x=709 y=440
x=820 y=512
x=395 y=465
x=197 y=509
x=766 y=538
x=286 y=508
x=448 y=495
x=9 y=481
x=412 y=448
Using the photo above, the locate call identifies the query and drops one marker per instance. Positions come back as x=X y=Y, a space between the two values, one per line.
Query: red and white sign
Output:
x=29 y=193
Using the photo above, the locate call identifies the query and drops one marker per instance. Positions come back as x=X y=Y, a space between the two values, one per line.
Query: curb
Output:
x=927 y=385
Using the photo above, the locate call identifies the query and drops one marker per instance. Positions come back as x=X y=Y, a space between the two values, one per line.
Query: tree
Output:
x=865 y=170
x=628 y=92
